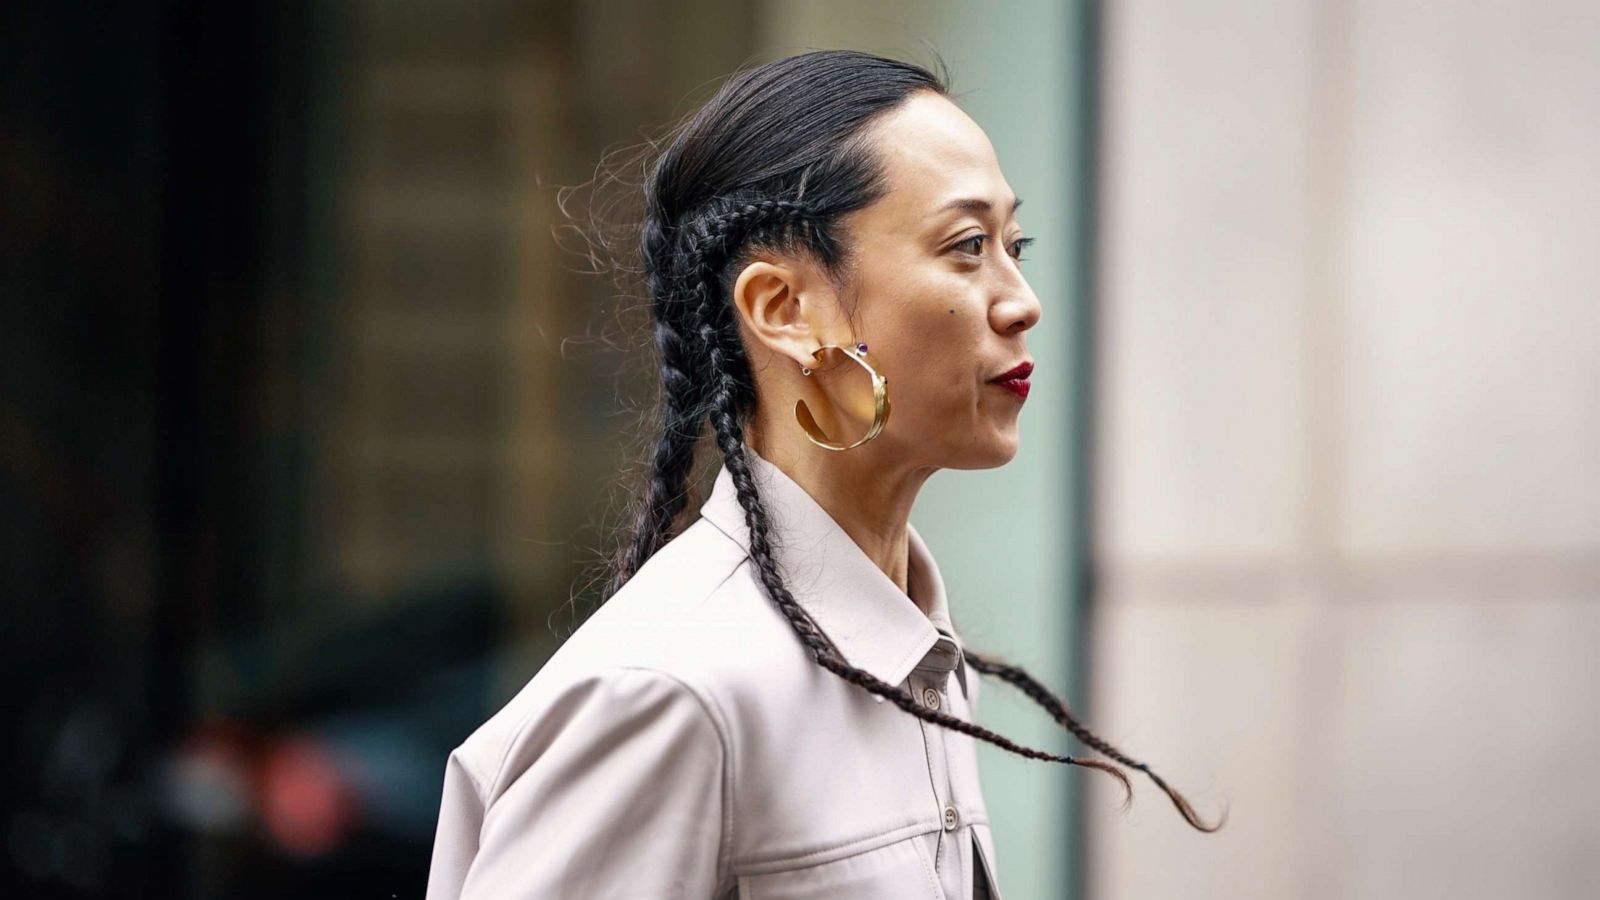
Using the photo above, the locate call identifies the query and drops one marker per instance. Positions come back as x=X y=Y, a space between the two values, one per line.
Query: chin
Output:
x=1005 y=454
x=988 y=454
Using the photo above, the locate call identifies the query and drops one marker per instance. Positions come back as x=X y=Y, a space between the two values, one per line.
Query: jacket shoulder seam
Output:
x=460 y=761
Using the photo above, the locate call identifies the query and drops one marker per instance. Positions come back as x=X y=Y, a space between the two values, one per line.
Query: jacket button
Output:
x=930 y=697
x=950 y=818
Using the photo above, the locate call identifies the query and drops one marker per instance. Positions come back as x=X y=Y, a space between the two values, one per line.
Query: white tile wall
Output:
x=1465 y=742
x=1349 y=523
x=1470 y=223
x=1203 y=238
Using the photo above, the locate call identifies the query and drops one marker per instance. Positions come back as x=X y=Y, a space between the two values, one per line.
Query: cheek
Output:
x=939 y=360
x=931 y=334
x=937 y=311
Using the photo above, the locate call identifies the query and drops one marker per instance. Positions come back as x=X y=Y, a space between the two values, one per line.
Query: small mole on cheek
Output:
x=952 y=312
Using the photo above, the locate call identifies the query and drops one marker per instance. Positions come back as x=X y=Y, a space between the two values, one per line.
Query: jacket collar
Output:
x=875 y=625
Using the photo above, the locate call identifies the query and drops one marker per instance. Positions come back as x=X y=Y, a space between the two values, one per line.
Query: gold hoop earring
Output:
x=880 y=399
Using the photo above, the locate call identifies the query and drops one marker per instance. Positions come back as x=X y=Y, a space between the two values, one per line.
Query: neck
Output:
x=867 y=492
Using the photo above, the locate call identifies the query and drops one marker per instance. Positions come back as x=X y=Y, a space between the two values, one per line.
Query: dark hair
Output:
x=773 y=160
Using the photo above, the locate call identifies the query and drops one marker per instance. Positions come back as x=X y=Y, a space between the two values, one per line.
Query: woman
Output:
x=774 y=703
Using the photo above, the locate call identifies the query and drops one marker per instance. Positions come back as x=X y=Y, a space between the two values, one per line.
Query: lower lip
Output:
x=1018 y=386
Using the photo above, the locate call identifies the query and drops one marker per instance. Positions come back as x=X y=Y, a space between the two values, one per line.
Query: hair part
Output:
x=773 y=161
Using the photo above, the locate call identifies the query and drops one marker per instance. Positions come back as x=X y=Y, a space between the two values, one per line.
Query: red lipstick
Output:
x=1016 y=380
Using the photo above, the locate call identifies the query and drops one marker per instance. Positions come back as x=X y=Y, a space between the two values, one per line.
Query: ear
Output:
x=781 y=312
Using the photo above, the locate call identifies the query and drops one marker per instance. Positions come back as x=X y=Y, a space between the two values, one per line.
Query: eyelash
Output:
x=1019 y=243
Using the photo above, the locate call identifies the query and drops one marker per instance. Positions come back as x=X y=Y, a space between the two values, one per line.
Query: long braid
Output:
x=682 y=388
x=678 y=305
x=1057 y=707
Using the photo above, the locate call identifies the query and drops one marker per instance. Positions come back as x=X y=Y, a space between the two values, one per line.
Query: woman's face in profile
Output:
x=939 y=296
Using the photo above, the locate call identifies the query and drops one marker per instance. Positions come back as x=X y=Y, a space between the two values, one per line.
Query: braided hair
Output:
x=774 y=160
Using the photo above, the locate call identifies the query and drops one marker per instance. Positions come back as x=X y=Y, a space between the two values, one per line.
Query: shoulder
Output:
x=690 y=641
x=620 y=761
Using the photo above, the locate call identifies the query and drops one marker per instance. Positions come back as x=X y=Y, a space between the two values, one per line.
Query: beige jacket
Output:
x=681 y=744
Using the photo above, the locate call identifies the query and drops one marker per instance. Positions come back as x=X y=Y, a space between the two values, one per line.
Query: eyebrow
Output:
x=975 y=204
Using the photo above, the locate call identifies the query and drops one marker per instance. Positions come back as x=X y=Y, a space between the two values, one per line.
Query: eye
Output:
x=976 y=243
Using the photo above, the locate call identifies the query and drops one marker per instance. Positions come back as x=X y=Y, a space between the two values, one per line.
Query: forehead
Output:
x=934 y=152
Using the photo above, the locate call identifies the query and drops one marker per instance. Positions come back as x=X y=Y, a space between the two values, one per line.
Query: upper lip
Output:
x=1022 y=370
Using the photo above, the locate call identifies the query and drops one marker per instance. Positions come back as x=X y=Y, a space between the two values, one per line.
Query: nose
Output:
x=1017 y=310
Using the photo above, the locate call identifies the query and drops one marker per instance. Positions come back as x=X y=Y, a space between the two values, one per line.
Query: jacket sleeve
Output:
x=612 y=788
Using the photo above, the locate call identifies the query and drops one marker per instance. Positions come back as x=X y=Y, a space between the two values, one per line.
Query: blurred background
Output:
x=311 y=421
